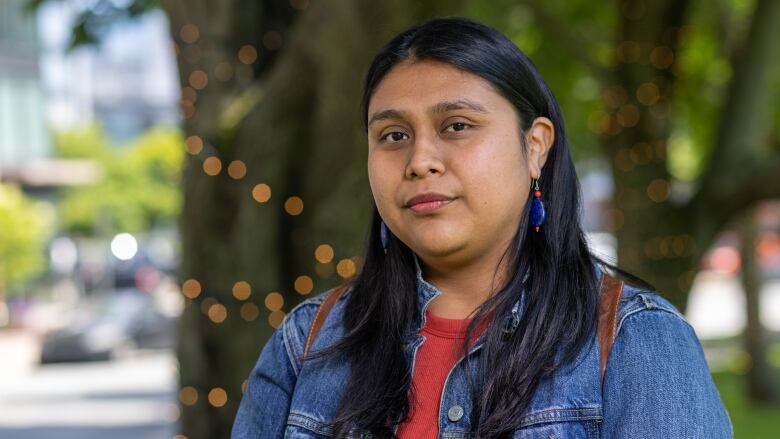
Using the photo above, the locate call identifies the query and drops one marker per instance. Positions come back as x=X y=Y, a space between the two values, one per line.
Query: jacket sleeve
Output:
x=657 y=383
x=266 y=401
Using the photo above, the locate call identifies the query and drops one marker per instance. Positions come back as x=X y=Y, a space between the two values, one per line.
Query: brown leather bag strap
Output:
x=610 y=290
x=322 y=313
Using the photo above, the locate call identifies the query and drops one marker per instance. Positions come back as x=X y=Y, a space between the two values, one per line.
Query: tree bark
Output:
x=662 y=236
x=762 y=384
x=295 y=124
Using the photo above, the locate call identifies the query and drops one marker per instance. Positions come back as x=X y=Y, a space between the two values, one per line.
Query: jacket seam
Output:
x=309 y=423
x=562 y=415
x=289 y=325
x=643 y=309
x=289 y=338
x=288 y=349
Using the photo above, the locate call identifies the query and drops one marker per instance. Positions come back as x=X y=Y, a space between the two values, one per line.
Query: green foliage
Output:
x=702 y=75
x=140 y=185
x=750 y=420
x=569 y=42
x=573 y=45
x=99 y=16
x=24 y=228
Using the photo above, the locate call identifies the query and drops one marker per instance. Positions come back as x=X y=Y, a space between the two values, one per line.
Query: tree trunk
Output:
x=762 y=384
x=663 y=234
x=294 y=123
x=654 y=239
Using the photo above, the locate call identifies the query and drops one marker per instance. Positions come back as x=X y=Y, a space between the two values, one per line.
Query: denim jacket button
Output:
x=455 y=413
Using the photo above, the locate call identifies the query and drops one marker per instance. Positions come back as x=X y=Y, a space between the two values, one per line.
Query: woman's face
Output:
x=436 y=128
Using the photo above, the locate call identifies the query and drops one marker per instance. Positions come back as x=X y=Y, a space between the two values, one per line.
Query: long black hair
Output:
x=560 y=311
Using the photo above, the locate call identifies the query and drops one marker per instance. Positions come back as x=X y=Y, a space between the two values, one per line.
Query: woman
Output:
x=476 y=236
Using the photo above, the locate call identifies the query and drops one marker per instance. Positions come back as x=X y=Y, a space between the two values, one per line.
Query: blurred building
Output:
x=128 y=82
x=23 y=132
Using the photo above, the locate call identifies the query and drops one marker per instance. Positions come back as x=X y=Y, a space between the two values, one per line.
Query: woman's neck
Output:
x=466 y=287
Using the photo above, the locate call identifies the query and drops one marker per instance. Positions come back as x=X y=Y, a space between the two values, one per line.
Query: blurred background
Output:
x=174 y=177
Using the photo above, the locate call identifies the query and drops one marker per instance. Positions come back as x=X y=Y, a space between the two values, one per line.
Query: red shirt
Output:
x=434 y=360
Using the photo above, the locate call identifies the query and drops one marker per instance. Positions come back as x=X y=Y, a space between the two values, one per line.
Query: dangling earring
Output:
x=384 y=233
x=538 y=215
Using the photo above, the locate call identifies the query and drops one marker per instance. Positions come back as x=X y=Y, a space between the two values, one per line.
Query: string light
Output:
x=191 y=288
x=242 y=290
x=275 y=318
x=247 y=54
x=237 y=169
x=189 y=33
x=323 y=253
x=261 y=193
x=212 y=166
x=217 y=313
x=198 y=79
x=658 y=190
x=188 y=395
x=294 y=205
x=346 y=268
x=274 y=301
x=194 y=144
x=249 y=311
x=304 y=285
x=647 y=93
x=217 y=397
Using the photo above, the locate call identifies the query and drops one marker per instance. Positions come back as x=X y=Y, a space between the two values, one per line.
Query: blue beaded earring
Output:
x=538 y=215
x=384 y=233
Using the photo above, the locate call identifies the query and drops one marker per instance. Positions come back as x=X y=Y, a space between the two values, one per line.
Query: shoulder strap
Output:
x=322 y=313
x=610 y=290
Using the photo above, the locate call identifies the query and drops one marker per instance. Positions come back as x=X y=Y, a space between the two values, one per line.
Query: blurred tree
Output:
x=663 y=230
x=140 y=186
x=276 y=168
x=24 y=227
x=681 y=98
x=762 y=385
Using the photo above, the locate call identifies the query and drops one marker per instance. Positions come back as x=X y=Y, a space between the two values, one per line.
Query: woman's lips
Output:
x=429 y=206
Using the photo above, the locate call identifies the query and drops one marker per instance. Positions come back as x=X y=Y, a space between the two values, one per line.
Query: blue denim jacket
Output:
x=657 y=383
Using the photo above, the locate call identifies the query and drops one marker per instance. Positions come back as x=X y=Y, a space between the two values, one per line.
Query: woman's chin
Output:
x=438 y=245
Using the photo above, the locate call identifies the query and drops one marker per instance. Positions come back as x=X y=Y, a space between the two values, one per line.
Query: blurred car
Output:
x=124 y=320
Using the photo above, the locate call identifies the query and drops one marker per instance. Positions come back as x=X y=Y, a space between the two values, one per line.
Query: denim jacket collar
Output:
x=426 y=292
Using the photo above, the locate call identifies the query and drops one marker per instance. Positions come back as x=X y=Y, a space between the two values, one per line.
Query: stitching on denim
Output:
x=309 y=423
x=556 y=415
x=288 y=348
x=657 y=308
x=290 y=324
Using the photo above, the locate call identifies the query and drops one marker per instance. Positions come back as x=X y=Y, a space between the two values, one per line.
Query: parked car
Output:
x=124 y=320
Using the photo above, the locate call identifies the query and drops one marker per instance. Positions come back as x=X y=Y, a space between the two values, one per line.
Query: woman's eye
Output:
x=461 y=125
x=396 y=136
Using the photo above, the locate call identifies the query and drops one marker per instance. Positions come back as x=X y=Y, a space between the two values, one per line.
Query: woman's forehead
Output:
x=432 y=87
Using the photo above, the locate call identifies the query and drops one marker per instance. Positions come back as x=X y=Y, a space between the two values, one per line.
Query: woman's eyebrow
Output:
x=441 y=107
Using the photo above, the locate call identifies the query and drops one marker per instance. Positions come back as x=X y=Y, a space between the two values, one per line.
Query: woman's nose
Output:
x=425 y=157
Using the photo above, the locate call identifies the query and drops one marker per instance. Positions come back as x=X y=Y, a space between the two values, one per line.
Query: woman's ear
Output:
x=540 y=138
